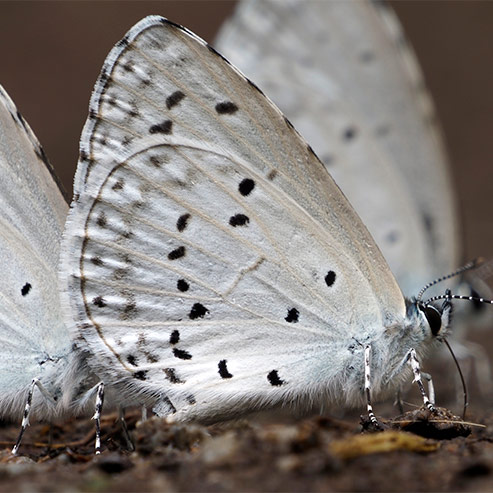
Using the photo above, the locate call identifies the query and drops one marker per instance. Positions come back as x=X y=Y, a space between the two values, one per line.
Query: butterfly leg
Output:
x=126 y=433
x=431 y=387
x=369 y=406
x=398 y=400
x=27 y=409
x=97 y=415
x=413 y=361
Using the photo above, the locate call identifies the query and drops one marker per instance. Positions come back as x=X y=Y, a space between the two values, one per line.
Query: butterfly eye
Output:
x=434 y=318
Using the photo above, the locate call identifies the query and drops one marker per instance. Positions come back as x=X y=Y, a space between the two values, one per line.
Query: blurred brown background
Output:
x=51 y=54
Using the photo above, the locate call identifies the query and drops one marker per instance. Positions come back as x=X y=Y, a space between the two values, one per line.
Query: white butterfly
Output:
x=37 y=349
x=210 y=265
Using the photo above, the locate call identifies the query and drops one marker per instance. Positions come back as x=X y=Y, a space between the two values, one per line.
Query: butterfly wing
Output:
x=209 y=260
x=344 y=69
x=33 y=336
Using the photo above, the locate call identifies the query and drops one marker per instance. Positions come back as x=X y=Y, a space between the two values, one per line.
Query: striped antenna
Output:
x=450 y=296
x=469 y=266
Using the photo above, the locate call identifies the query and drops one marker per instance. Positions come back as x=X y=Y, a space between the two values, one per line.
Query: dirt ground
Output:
x=313 y=454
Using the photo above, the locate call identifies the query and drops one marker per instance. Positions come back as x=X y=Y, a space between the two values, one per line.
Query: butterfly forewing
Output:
x=208 y=246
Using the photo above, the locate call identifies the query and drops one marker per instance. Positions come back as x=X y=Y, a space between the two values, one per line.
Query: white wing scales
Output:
x=199 y=258
x=34 y=339
x=344 y=75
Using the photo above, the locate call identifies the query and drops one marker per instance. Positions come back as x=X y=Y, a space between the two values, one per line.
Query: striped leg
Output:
x=27 y=409
x=97 y=416
x=413 y=361
x=25 y=416
x=431 y=387
x=369 y=407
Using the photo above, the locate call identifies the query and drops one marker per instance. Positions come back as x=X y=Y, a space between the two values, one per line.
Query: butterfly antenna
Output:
x=449 y=296
x=469 y=266
x=462 y=379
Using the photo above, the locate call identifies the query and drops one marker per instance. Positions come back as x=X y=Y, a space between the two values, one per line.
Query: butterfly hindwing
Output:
x=34 y=339
x=209 y=258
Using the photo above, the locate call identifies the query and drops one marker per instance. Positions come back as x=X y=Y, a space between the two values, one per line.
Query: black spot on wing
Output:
x=198 y=311
x=392 y=236
x=140 y=375
x=155 y=161
x=292 y=316
x=226 y=108
x=274 y=379
x=223 y=369
x=349 y=134
x=25 y=289
x=238 y=220
x=129 y=309
x=99 y=301
x=171 y=375
x=181 y=354
x=176 y=253
x=428 y=222
x=132 y=360
x=126 y=141
x=182 y=285
x=330 y=278
x=118 y=185
x=97 y=261
x=162 y=128
x=174 y=338
x=174 y=99
x=182 y=222
x=151 y=358
x=246 y=186
x=101 y=220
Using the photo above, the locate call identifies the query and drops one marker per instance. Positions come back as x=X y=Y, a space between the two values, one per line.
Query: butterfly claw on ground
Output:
x=372 y=425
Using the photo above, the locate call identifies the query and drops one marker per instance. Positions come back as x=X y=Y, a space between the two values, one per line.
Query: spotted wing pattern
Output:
x=210 y=263
x=345 y=75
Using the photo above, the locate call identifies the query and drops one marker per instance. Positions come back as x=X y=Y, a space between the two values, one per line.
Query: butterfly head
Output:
x=438 y=317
